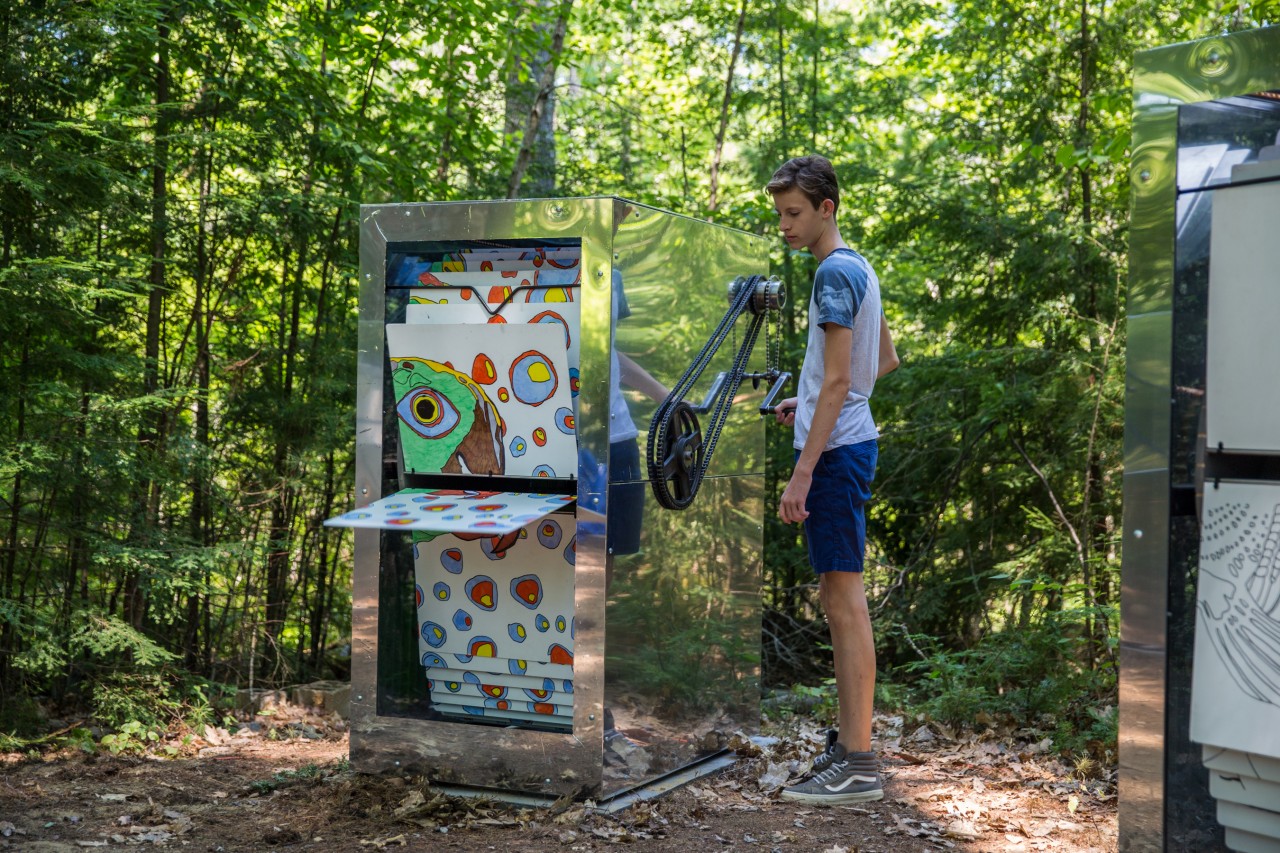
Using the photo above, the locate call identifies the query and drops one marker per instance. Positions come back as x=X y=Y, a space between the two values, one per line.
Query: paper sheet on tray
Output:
x=453 y=511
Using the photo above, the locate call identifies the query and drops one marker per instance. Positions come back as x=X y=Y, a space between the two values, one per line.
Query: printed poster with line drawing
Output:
x=1235 y=700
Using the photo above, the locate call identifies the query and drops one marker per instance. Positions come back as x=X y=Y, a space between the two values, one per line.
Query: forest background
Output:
x=179 y=191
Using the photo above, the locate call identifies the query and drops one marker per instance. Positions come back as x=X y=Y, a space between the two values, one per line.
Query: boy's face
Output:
x=799 y=221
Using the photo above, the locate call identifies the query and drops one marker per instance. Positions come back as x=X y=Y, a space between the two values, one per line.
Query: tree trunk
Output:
x=200 y=490
x=782 y=84
x=146 y=490
x=539 y=126
x=279 y=531
x=724 y=107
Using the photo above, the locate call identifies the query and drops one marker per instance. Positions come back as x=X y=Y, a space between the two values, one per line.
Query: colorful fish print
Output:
x=447 y=422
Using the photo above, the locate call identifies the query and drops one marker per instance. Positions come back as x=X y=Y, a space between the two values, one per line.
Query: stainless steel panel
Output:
x=364 y=603
x=682 y=672
x=1141 y=786
x=1144 y=572
x=1144 y=579
x=1147 y=402
x=1147 y=392
x=1207 y=69
x=515 y=759
x=1152 y=179
x=676 y=272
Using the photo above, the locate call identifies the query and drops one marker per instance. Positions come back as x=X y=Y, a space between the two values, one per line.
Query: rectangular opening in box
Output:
x=479 y=408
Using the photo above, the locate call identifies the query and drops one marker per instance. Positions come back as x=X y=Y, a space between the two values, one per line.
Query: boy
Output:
x=835 y=440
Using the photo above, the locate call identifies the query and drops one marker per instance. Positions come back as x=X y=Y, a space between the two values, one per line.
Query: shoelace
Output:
x=836 y=768
x=823 y=761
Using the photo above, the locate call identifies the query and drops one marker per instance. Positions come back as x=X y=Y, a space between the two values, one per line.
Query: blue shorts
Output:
x=628 y=483
x=836 y=528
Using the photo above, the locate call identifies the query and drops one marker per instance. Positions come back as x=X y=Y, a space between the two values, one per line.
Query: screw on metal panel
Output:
x=599 y=273
x=368 y=276
x=364 y=491
x=1144 y=175
x=1137 y=534
x=591 y=716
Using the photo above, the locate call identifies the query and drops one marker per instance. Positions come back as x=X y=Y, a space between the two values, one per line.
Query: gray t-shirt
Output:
x=845 y=292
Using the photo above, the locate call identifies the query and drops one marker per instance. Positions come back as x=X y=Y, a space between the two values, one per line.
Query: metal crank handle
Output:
x=780 y=381
x=716 y=387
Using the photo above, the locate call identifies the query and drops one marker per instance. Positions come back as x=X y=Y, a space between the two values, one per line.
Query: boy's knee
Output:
x=843 y=597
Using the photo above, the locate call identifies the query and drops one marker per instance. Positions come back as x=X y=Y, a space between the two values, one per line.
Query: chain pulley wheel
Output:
x=682 y=454
x=678 y=450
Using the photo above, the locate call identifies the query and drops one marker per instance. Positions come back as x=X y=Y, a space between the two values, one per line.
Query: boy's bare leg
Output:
x=844 y=600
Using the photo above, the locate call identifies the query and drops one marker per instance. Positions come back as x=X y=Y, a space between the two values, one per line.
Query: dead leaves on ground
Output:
x=946 y=790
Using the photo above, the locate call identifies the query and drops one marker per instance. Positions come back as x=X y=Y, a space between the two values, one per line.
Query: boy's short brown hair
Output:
x=812 y=175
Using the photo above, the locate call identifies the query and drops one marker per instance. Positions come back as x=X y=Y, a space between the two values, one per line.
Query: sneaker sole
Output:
x=833 y=799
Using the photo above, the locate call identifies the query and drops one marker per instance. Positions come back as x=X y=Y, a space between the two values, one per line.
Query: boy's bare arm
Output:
x=836 y=382
x=635 y=376
x=888 y=355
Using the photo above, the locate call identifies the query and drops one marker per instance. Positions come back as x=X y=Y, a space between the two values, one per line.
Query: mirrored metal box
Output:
x=559 y=492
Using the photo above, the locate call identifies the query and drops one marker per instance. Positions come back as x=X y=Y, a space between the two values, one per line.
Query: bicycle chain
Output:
x=658 y=444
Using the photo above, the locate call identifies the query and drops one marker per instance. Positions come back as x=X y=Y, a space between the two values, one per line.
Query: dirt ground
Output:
x=285 y=784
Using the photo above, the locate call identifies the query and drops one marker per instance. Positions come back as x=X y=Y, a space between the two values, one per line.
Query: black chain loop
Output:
x=677 y=462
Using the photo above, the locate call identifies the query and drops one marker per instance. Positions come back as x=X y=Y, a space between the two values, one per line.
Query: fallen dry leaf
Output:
x=774 y=776
x=963 y=829
x=412 y=801
x=380 y=843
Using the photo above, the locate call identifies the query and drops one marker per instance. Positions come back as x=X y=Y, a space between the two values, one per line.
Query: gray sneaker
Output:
x=850 y=777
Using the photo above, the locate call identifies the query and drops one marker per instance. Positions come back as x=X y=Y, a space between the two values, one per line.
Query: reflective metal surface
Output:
x=682 y=666
x=1173 y=138
x=1147 y=388
x=675 y=272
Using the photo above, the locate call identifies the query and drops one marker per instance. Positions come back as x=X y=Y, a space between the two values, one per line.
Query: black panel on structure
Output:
x=402 y=690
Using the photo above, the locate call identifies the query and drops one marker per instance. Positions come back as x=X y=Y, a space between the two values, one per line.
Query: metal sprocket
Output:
x=679 y=457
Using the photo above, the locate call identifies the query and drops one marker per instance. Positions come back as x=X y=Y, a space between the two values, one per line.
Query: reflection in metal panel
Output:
x=682 y=667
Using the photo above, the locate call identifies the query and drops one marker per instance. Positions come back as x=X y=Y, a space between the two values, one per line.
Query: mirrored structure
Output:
x=559 y=493
x=1200 y=634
